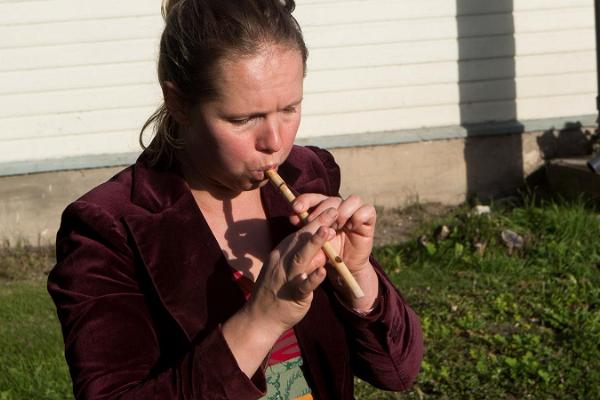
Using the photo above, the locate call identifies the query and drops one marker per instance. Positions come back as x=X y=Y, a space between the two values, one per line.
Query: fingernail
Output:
x=349 y=226
x=323 y=232
x=298 y=207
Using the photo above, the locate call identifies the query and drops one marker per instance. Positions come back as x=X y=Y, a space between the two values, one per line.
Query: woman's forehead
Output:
x=273 y=69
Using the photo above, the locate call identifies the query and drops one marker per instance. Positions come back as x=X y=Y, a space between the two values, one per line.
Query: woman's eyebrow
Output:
x=253 y=114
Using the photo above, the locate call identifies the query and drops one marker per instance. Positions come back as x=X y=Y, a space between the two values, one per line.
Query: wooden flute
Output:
x=332 y=255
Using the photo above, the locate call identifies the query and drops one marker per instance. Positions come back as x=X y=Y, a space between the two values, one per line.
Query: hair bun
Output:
x=289 y=5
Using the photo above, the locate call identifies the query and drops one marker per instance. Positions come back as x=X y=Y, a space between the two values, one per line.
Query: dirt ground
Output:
x=395 y=225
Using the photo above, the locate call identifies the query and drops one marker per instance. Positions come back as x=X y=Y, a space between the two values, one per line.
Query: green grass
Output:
x=32 y=365
x=497 y=326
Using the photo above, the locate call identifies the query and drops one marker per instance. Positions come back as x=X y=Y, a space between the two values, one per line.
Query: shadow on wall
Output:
x=570 y=141
x=487 y=87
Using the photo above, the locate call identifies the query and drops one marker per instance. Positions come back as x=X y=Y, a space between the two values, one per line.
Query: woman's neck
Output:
x=236 y=203
x=240 y=226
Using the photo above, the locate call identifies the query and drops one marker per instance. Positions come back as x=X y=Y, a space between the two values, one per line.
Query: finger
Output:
x=316 y=233
x=307 y=283
x=313 y=204
x=306 y=201
x=346 y=210
x=363 y=220
x=296 y=220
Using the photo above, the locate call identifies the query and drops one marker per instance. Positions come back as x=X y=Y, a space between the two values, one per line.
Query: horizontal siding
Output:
x=389 y=31
x=136 y=50
x=97 y=53
x=116 y=142
x=75 y=123
x=321 y=123
x=102 y=98
x=36 y=12
x=311 y=13
x=442 y=115
x=136 y=73
x=414 y=31
x=447 y=72
x=476 y=48
x=446 y=94
x=69 y=32
x=320 y=14
x=30 y=112
x=79 y=78
x=313 y=125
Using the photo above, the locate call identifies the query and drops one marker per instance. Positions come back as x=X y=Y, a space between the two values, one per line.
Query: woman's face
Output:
x=251 y=127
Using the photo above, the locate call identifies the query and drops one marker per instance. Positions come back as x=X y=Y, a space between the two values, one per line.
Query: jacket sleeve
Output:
x=386 y=346
x=111 y=342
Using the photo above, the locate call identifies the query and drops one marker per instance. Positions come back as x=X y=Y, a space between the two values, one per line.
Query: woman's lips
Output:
x=268 y=167
x=259 y=174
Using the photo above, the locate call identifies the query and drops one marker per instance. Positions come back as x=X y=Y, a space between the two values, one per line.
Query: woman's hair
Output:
x=198 y=35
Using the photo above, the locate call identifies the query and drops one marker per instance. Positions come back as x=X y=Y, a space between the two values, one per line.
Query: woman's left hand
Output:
x=355 y=227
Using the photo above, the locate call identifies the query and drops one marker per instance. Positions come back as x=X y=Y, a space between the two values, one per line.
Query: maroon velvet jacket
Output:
x=142 y=288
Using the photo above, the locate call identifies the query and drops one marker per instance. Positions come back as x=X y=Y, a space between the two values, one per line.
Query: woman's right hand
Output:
x=282 y=294
x=294 y=269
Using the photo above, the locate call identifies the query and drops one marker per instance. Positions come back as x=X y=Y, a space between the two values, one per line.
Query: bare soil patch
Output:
x=396 y=225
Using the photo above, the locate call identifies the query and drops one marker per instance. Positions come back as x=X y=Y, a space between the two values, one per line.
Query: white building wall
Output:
x=77 y=77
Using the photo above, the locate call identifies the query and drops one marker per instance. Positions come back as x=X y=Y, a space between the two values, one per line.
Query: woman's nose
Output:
x=269 y=138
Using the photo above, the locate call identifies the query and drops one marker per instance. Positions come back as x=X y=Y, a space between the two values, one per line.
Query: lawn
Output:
x=32 y=365
x=504 y=318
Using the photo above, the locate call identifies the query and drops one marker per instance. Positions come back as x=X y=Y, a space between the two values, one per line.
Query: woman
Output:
x=187 y=276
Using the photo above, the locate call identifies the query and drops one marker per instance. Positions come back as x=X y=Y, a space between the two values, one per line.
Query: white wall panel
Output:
x=110 y=142
x=80 y=31
x=543 y=107
x=35 y=12
x=79 y=77
x=447 y=72
x=69 y=124
x=378 y=121
x=68 y=101
x=416 y=30
x=28 y=58
x=474 y=48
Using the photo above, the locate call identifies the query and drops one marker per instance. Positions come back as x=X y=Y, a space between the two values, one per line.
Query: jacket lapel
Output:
x=181 y=255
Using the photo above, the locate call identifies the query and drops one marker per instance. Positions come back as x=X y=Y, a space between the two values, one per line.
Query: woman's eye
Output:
x=241 y=121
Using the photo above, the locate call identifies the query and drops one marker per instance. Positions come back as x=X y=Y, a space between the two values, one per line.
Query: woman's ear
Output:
x=176 y=105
